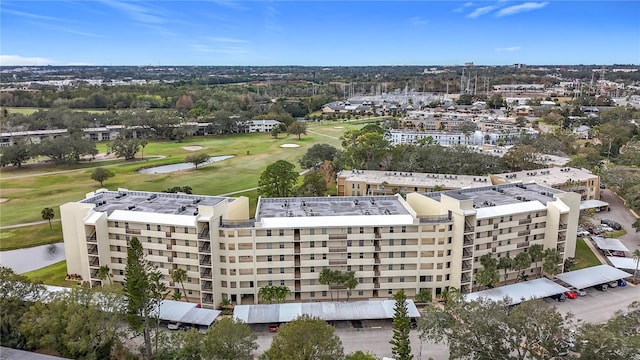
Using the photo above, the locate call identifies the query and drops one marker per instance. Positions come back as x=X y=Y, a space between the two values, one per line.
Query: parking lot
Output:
x=622 y=215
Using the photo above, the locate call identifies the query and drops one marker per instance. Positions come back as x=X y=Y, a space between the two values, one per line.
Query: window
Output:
x=360 y=292
x=501 y=218
x=390 y=266
x=269 y=258
x=269 y=271
x=312 y=231
x=312 y=257
x=450 y=227
x=401 y=266
x=324 y=256
x=312 y=281
x=312 y=244
x=158 y=228
x=361 y=268
x=349 y=230
x=118 y=248
x=348 y=267
x=281 y=232
x=187 y=255
x=148 y=226
x=281 y=270
x=390 y=254
x=159 y=240
x=281 y=257
x=390 y=242
x=324 y=244
x=478 y=223
x=268 y=232
x=148 y=239
x=449 y=240
x=404 y=229
x=117 y=236
x=402 y=279
x=281 y=245
x=348 y=255
x=186 y=230
x=403 y=254
x=404 y=241
x=188 y=267
x=510 y=217
x=119 y=260
x=361 y=230
x=186 y=243
x=324 y=294
x=391 y=229
x=361 y=255
x=390 y=292
x=116 y=224
x=312 y=269
x=449 y=252
x=360 y=280
x=448 y=264
x=390 y=280
x=360 y=242
x=121 y=272
x=446 y=277
x=312 y=294
x=324 y=231
x=160 y=252
x=270 y=282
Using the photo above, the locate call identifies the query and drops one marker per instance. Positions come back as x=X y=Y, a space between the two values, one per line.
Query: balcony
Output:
x=205 y=273
x=338 y=249
x=168 y=246
x=93 y=250
x=92 y=238
x=468 y=228
x=133 y=231
x=296 y=248
x=468 y=240
x=465 y=278
x=205 y=260
x=562 y=226
x=167 y=234
x=524 y=232
x=207 y=286
x=94 y=262
x=524 y=221
x=338 y=262
x=466 y=266
x=205 y=247
x=467 y=254
x=237 y=223
x=207 y=299
x=297 y=274
x=434 y=219
x=337 y=236
x=523 y=244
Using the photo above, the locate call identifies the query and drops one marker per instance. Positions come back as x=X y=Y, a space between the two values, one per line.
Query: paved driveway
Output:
x=622 y=215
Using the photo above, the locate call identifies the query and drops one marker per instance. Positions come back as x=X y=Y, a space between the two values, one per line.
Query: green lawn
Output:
x=584 y=256
x=27 y=196
x=51 y=275
x=25 y=237
x=615 y=234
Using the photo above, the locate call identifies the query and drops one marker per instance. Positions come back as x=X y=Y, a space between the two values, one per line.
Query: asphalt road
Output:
x=622 y=215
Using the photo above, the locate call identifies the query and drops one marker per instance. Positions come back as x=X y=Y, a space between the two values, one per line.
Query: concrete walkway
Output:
x=28 y=224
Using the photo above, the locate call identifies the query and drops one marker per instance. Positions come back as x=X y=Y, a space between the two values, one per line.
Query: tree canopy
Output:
x=306 y=338
x=101 y=174
x=277 y=180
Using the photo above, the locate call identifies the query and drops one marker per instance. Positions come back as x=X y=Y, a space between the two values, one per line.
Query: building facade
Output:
x=429 y=241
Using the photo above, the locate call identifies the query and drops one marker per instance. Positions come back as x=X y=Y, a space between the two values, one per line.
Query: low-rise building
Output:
x=581 y=181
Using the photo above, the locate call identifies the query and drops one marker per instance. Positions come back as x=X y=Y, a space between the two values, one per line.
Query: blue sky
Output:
x=326 y=33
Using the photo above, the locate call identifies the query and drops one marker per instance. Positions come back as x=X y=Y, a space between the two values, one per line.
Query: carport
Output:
x=186 y=313
x=519 y=292
x=598 y=205
x=607 y=244
x=624 y=263
x=591 y=276
x=328 y=311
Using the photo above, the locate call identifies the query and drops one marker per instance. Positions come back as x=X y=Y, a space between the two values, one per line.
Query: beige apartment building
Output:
x=374 y=182
x=430 y=241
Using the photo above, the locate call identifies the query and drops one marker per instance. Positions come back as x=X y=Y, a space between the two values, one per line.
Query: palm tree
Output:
x=104 y=273
x=350 y=282
x=48 y=214
x=535 y=251
x=551 y=260
x=636 y=258
x=280 y=293
x=506 y=263
x=522 y=261
x=179 y=275
x=327 y=277
x=266 y=294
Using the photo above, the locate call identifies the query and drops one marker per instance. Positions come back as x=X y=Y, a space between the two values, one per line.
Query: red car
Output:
x=571 y=294
x=273 y=328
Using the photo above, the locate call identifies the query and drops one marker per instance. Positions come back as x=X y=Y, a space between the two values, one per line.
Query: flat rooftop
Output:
x=150 y=202
x=499 y=195
x=550 y=177
x=399 y=178
x=329 y=206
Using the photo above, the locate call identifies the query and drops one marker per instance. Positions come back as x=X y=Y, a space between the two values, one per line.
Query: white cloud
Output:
x=417 y=20
x=509 y=49
x=481 y=11
x=136 y=12
x=467 y=4
x=17 y=60
x=528 y=6
x=226 y=40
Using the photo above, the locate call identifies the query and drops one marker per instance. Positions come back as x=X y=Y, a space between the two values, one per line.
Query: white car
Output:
x=606 y=228
x=581 y=292
x=173 y=326
x=583 y=233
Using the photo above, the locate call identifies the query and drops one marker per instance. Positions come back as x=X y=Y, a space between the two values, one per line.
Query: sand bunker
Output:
x=3 y=200
x=338 y=127
x=192 y=148
x=289 y=145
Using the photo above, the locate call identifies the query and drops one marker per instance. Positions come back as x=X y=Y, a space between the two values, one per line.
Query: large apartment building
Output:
x=375 y=182
x=429 y=241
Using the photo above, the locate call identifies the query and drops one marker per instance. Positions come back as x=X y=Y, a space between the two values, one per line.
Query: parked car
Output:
x=582 y=233
x=606 y=228
x=571 y=294
x=559 y=297
x=602 y=186
x=613 y=224
x=173 y=326
x=621 y=283
x=618 y=253
x=601 y=287
x=580 y=292
x=613 y=284
x=273 y=328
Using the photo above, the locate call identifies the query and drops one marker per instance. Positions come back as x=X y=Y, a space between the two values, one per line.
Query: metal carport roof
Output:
x=329 y=311
x=622 y=262
x=198 y=316
x=526 y=290
x=171 y=310
x=610 y=244
x=591 y=276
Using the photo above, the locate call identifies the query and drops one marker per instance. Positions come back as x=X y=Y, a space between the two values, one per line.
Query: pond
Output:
x=33 y=258
x=181 y=166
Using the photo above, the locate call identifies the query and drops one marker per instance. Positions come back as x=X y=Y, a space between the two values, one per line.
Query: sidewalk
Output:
x=595 y=251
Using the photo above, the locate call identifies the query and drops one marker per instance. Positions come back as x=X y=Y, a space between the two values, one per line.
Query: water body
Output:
x=33 y=258
x=181 y=166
